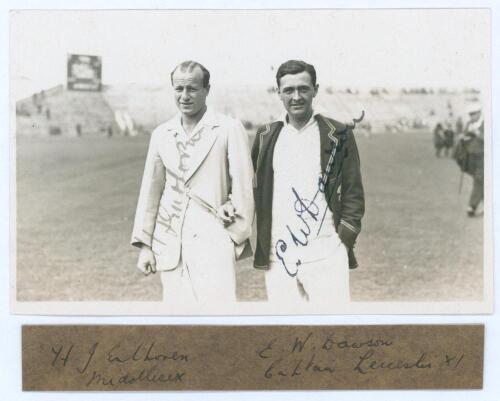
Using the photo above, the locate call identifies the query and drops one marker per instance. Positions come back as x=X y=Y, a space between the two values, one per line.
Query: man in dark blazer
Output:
x=309 y=196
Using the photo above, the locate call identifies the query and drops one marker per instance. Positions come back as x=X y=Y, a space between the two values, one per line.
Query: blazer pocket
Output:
x=215 y=236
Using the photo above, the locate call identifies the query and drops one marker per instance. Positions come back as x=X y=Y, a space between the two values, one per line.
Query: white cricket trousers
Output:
x=206 y=270
x=325 y=280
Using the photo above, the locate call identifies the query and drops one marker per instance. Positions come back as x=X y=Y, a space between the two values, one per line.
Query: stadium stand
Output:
x=142 y=107
x=58 y=111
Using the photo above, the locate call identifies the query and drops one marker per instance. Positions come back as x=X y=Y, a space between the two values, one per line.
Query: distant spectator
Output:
x=439 y=139
x=459 y=127
x=449 y=139
x=78 y=128
x=469 y=154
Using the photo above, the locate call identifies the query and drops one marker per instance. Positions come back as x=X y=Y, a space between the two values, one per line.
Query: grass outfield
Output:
x=76 y=200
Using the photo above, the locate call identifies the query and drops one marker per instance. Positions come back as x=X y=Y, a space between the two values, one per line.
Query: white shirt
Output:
x=187 y=140
x=297 y=166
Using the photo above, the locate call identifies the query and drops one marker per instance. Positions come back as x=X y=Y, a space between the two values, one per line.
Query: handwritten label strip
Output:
x=173 y=358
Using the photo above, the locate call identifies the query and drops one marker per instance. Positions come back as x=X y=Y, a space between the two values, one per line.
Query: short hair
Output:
x=295 y=67
x=188 y=66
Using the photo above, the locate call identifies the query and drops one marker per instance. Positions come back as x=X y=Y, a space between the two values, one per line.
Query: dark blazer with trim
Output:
x=342 y=182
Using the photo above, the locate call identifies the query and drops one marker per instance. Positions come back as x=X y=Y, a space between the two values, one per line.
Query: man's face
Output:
x=296 y=91
x=189 y=94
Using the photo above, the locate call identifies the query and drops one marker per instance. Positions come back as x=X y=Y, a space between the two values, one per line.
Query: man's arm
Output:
x=241 y=173
x=255 y=149
x=352 y=196
x=153 y=183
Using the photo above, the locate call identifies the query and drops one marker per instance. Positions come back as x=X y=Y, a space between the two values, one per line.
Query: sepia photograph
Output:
x=251 y=162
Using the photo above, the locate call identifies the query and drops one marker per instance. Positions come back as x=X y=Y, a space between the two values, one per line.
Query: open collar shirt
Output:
x=297 y=170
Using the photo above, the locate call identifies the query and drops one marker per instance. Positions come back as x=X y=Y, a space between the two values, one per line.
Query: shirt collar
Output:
x=209 y=120
x=316 y=111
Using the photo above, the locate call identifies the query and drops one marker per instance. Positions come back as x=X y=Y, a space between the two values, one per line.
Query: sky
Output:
x=349 y=48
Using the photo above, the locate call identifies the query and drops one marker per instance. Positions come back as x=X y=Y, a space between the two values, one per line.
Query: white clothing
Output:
x=321 y=282
x=205 y=272
x=297 y=167
x=307 y=259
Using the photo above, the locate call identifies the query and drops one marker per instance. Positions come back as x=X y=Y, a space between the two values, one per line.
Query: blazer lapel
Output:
x=198 y=147
x=329 y=138
x=269 y=139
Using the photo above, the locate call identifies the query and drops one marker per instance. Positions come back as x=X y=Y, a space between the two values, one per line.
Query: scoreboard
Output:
x=84 y=73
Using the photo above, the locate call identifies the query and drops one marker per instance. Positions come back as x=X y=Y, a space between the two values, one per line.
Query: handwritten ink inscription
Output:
x=144 y=362
x=314 y=354
x=309 y=218
x=174 y=358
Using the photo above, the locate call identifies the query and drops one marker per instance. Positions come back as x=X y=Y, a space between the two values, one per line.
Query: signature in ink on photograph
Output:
x=305 y=209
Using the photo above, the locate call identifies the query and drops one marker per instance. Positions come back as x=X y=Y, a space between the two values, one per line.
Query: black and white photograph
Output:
x=251 y=162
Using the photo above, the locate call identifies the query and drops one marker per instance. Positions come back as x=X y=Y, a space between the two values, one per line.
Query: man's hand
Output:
x=147 y=261
x=227 y=213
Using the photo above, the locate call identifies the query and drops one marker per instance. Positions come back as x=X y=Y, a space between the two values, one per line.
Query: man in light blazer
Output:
x=195 y=207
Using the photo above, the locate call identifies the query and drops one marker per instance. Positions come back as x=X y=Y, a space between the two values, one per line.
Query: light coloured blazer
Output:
x=219 y=168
